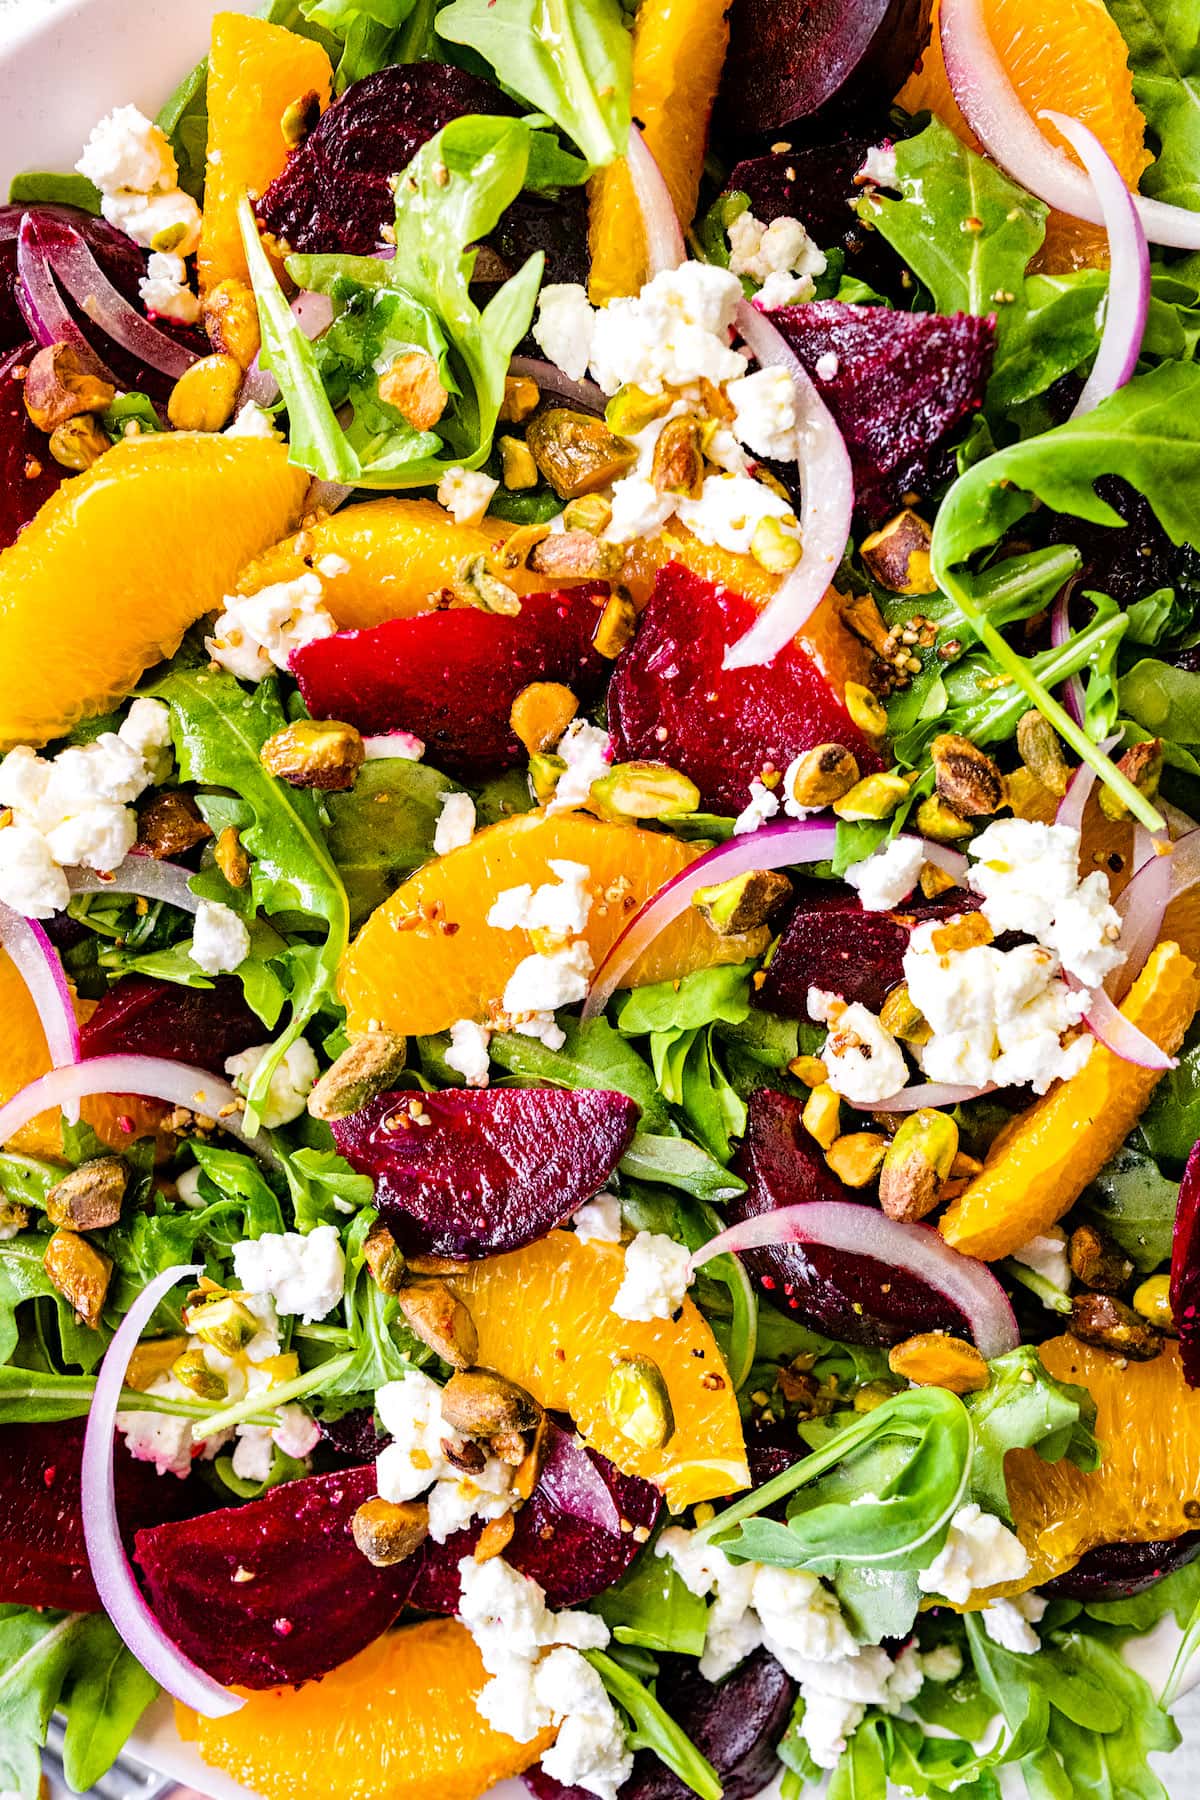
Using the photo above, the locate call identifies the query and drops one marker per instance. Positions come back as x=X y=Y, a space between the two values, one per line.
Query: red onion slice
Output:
x=926 y=1093
x=146 y=876
x=1109 y=1026
x=827 y=486
x=1060 y=630
x=69 y=256
x=403 y=744
x=314 y=315
x=326 y=496
x=665 y=248
x=552 y=381
x=115 y=1581
x=1142 y=904
x=40 y=968
x=42 y=306
x=992 y=107
x=1128 y=302
x=1073 y=804
x=919 y=1251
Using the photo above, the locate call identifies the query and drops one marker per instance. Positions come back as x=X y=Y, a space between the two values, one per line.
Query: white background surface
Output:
x=43 y=119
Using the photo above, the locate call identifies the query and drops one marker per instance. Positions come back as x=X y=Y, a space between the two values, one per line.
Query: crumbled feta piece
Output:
x=146 y=728
x=168 y=222
x=800 y=1616
x=980 y=1552
x=292 y=1082
x=159 y=1438
x=31 y=881
x=764 y=406
x=863 y=1061
x=658 y=1273
x=730 y=510
x=457 y=1498
x=330 y=566
x=258 y=632
x=253 y=421
x=879 y=167
x=598 y=1221
x=828 y=1725
x=410 y=1411
x=1010 y=1623
x=466 y=494
x=559 y=907
x=828 y=364
x=456 y=823
x=564 y=327
x=127 y=151
x=97 y=837
x=253 y=1453
x=889 y=876
x=164 y=289
x=1023 y=869
x=468 y=1052
x=590 y=1750
x=944 y=1663
x=303 y=1273
x=762 y=805
x=638 y=510
x=587 y=751
x=1047 y=1256
x=542 y=983
x=780 y=257
x=1085 y=930
x=676 y=331
x=220 y=940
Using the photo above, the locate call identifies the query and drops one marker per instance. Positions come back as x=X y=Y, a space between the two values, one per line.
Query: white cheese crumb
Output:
x=291 y=1083
x=564 y=327
x=466 y=494
x=889 y=876
x=259 y=632
x=980 y=1552
x=303 y=1273
x=468 y=1052
x=456 y=824
x=220 y=940
x=598 y=1221
x=658 y=1273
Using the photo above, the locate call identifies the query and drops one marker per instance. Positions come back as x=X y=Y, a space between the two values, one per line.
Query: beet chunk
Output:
x=160 y=1018
x=815 y=184
x=1129 y=563
x=905 y=385
x=854 y=1298
x=1119 y=1571
x=451 y=677
x=671 y=701
x=28 y=472
x=736 y=1723
x=485 y=1170
x=354 y=1436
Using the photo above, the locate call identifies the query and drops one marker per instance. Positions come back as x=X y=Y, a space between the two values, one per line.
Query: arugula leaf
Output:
x=1164 y=56
x=654 y=1729
x=594 y=1055
x=1024 y=1407
x=699 y=999
x=1133 y=1202
x=861 y=1773
x=678 y=1163
x=1170 y=1124
x=42 y=187
x=184 y=120
x=381 y=829
x=651 y=1607
x=368 y=30
x=1177 y=1595
x=322 y=1185
x=1163 y=699
x=1104 y=1744
x=570 y=59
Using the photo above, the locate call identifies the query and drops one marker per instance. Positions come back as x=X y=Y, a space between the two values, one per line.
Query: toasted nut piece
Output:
x=967 y=779
x=937 y=820
x=438 y=1317
x=521 y=397
x=744 y=902
x=225 y=1322
x=316 y=753
x=480 y=1403
x=865 y=710
x=1152 y=1299
x=899 y=1016
x=932 y=1359
x=541 y=713
x=385 y=1259
x=90 y=1197
x=170 y=824
x=544 y=774
x=874 y=797
x=230 y=316
x=934 y=881
x=591 y=513
x=1143 y=765
x=1040 y=750
x=468 y=1456
x=193 y=1373
x=823 y=775
x=631 y=409
x=965 y=1167
x=918 y=1161
x=231 y=858
x=577 y=453
x=858 y=1157
x=644 y=790
x=678 y=466
x=822 y=1116
x=638 y=1404
x=300 y=118
x=1096 y=1262
x=367 y=1067
x=495 y=1538
x=204 y=397
x=898 y=555
x=78 y=443
x=152 y=1359
x=13 y=1218
x=872 y=1394
x=773 y=548
x=1111 y=1325
x=577 y=554
x=961 y=933
x=412 y=384
x=618 y=622
x=862 y=616
x=387 y=1531
x=529 y=1472
x=808 y=1069
x=65 y=380
x=79 y=1272
x=476 y=584
x=510 y=1447
x=517 y=467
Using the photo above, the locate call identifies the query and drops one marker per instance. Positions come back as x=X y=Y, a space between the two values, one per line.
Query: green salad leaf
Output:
x=1132 y=1202
x=41 y=187
x=369 y=32
x=651 y=1607
x=1164 y=55
x=654 y=1729
x=1024 y=1407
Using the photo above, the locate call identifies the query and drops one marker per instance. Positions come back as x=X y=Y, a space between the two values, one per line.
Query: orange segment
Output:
x=678 y=53
x=1064 y=54
x=256 y=72
x=120 y=561
x=397 y=1722
x=428 y=956
x=544 y=1319
x=1041 y=1163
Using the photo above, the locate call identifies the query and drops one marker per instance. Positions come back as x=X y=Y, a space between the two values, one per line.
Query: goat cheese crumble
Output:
x=129 y=159
x=424 y=1457
x=304 y=1274
x=456 y=824
x=863 y=1061
x=258 y=632
x=889 y=876
x=468 y=1052
x=780 y=257
x=292 y=1081
x=980 y=1552
x=658 y=1273
x=466 y=494
x=220 y=940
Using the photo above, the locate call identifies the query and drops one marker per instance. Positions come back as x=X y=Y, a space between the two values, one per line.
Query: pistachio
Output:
x=480 y=1403
x=478 y=586
x=544 y=775
x=205 y=395
x=822 y=1116
x=193 y=1373
x=89 y=1198
x=1096 y=1262
x=1142 y=764
x=638 y=1404
x=495 y=1538
x=871 y=1394
x=152 y=1359
x=368 y=1066
x=230 y=316
x=315 y=753
x=577 y=453
x=857 y=1158
x=618 y=622
x=510 y=1447
x=898 y=555
x=1040 y=750
x=939 y=821
x=874 y=797
x=541 y=713
x=231 y=858
x=1152 y=1299
x=591 y=513
x=79 y=1272
x=1109 y=1324
x=412 y=385
x=517 y=467
x=968 y=780
x=918 y=1161
x=515 y=550
x=299 y=119
x=933 y=881
x=744 y=902
x=78 y=443
x=577 y=554
x=521 y=397
x=934 y=1359
x=631 y=409
x=645 y=790
x=438 y=1317
x=224 y=1321
x=899 y=1016
x=388 y=1531
x=773 y=548
x=824 y=775
x=468 y=1456
x=677 y=466
x=862 y=616
x=170 y=825
x=13 y=1218
x=808 y=1069
x=866 y=710
x=385 y=1259
x=64 y=381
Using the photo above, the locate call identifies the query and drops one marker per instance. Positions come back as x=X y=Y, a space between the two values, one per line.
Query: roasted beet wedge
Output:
x=671 y=701
x=353 y=1437
x=1129 y=563
x=574 y=1536
x=470 y=1172
x=1185 y=1269
x=28 y=472
x=451 y=677
x=815 y=184
x=736 y=1723
x=855 y=1298
x=160 y=1018
x=277 y=1591
x=43 y=1561
x=1118 y=1571
x=336 y=193
x=905 y=386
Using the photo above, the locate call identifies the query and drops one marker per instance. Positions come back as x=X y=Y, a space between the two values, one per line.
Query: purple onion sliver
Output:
x=94 y=294
x=665 y=247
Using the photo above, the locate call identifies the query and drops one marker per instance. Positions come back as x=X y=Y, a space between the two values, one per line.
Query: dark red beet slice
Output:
x=1185 y=1269
x=906 y=383
x=487 y=1169
x=28 y=472
x=671 y=701
x=855 y=1298
x=1118 y=1571
x=451 y=677
x=43 y=1560
x=815 y=184
x=354 y=1436
x=830 y=942
x=160 y=1018
x=313 y=1601
x=736 y=1723
x=1129 y=563
x=788 y=61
